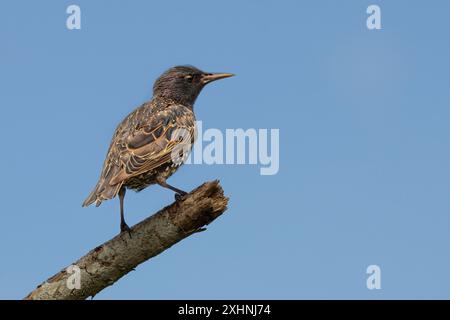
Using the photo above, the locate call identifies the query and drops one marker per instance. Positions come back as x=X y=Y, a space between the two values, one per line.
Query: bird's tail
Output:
x=102 y=191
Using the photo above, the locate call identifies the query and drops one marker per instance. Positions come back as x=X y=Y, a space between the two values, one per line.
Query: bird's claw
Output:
x=179 y=196
x=125 y=228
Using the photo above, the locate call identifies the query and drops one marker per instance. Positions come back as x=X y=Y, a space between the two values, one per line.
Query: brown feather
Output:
x=141 y=144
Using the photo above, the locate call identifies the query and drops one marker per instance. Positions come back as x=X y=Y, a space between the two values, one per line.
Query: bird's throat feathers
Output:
x=177 y=95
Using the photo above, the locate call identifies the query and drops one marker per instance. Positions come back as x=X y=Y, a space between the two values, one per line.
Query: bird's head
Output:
x=183 y=84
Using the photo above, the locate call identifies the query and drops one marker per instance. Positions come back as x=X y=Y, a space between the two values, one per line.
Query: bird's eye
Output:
x=189 y=78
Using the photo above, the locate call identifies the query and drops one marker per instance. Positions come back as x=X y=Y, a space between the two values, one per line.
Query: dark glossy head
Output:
x=183 y=83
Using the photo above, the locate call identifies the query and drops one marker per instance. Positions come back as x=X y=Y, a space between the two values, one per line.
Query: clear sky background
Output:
x=364 y=153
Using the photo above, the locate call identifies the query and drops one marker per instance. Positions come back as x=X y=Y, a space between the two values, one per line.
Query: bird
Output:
x=148 y=146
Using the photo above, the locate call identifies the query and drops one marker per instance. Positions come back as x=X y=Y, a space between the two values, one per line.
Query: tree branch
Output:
x=109 y=262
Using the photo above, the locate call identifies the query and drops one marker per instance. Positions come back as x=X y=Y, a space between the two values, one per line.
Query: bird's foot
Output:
x=125 y=228
x=179 y=195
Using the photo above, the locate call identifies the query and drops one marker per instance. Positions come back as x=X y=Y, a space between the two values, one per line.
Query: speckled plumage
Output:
x=140 y=153
x=141 y=147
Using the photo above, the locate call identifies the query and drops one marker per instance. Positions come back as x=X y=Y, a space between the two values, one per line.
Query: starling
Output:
x=140 y=153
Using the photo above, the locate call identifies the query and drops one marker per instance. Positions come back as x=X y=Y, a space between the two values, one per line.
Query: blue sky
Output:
x=364 y=144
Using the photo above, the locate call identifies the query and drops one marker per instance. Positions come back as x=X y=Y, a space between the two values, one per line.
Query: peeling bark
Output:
x=109 y=262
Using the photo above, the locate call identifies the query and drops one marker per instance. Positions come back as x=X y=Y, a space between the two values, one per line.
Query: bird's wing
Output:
x=155 y=143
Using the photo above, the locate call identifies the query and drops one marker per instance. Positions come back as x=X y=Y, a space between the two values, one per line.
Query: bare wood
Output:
x=109 y=262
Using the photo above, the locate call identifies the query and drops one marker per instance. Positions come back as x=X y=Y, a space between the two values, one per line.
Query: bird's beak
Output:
x=210 y=77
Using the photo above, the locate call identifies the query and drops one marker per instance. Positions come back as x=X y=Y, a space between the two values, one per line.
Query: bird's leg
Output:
x=123 y=225
x=178 y=193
